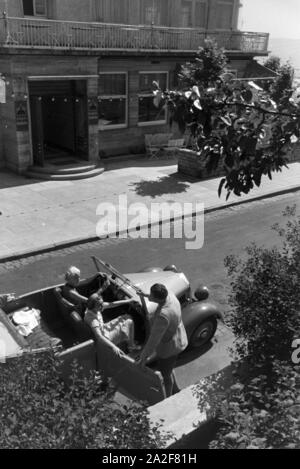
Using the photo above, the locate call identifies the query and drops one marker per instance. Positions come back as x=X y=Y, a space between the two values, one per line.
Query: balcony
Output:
x=27 y=33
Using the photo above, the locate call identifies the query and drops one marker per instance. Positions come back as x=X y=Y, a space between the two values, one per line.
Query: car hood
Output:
x=175 y=282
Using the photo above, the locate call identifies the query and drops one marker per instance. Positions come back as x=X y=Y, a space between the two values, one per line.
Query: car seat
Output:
x=72 y=317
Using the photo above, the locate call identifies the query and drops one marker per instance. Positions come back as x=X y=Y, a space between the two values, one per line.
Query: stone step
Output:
x=63 y=170
x=64 y=177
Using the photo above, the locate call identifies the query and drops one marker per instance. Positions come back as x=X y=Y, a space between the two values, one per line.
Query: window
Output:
x=200 y=14
x=193 y=13
x=155 y=12
x=148 y=113
x=186 y=14
x=224 y=14
x=112 y=109
x=35 y=7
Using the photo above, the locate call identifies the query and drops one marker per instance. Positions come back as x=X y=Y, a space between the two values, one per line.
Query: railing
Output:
x=40 y=33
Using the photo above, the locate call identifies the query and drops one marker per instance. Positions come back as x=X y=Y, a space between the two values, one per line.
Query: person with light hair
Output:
x=70 y=292
x=119 y=330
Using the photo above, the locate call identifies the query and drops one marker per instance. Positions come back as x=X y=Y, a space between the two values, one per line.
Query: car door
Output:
x=134 y=381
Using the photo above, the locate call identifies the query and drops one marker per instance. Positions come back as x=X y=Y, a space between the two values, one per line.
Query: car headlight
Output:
x=171 y=268
x=201 y=293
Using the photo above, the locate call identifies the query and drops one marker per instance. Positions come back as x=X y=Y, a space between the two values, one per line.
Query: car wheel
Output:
x=203 y=333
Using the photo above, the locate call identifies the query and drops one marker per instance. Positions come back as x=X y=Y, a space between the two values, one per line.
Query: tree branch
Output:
x=259 y=108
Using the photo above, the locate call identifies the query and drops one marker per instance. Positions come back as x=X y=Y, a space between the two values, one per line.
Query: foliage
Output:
x=282 y=87
x=266 y=296
x=273 y=62
x=38 y=410
x=236 y=123
x=262 y=408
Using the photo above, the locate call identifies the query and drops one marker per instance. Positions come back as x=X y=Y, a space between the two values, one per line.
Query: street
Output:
x=226 y=232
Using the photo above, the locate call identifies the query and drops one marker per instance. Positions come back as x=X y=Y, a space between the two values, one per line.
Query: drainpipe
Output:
x=207 y=17
x=5 y=20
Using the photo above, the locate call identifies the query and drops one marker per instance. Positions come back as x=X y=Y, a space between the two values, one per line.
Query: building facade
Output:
x=78 y=73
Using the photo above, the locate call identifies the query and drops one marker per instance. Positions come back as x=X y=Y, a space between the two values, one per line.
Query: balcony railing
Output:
x=50 y=34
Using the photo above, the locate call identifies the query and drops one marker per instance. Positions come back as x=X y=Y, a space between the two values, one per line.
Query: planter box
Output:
x=190 y=163
x=295 y=153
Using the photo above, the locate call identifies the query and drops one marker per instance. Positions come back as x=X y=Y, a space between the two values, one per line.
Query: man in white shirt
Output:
x=168 y=336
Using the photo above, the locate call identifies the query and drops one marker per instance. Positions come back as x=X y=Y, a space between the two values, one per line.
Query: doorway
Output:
x=59 y=122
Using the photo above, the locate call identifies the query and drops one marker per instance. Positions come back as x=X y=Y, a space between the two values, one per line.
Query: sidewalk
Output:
x=41 y=215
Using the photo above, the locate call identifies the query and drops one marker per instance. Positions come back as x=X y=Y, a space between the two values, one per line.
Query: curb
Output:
x=74 y=242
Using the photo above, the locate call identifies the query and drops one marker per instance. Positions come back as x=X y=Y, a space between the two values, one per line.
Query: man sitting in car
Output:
x=70 y=289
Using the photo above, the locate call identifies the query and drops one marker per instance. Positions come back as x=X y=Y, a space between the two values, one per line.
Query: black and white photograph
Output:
x=149 y=227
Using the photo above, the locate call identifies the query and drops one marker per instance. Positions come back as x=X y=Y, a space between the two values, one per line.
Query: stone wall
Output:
x=295 y=153
x=191 y=164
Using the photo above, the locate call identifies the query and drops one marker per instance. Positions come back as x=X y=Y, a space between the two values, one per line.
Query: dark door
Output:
x=59 y=119
x=37 y=130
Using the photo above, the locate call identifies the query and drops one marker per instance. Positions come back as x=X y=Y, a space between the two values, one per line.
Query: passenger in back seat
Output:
x=70 y=292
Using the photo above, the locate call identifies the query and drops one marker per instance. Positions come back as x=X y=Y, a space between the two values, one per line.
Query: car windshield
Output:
x=100 y=265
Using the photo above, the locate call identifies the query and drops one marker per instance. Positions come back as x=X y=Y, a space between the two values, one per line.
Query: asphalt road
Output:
x=226 y=232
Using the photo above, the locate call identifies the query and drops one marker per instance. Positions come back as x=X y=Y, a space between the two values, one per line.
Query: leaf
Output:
x=197 y=104
x=248 y=145
x=196 y=91
x=222 y=182
x=226 y=120
x=157 y=99
x=257 y=178
x=229 y=160
x=294 y=139
x=247 y=95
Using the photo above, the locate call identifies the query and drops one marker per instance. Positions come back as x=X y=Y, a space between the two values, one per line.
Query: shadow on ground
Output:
x=172 y=184
x=9 y=179
x=192 y=354
x=138 y=162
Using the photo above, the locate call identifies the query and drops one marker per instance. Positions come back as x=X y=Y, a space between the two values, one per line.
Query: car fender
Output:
x=198 y=311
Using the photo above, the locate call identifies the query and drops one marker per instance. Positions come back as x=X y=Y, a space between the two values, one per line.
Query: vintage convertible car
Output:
x=59 y=324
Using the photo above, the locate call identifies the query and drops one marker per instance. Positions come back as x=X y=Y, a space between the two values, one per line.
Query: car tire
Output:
x=203 y=333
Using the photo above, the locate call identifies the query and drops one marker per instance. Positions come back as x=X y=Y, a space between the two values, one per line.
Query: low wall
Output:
x=187 y=425
x=191 y=164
